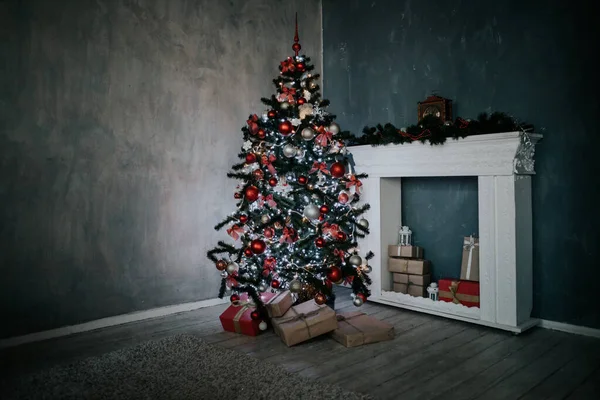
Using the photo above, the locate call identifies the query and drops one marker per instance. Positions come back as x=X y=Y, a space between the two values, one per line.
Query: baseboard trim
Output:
x=576 y=329
x=110 y=321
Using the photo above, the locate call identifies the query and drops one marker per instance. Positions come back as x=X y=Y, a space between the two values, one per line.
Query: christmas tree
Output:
x=297 y=219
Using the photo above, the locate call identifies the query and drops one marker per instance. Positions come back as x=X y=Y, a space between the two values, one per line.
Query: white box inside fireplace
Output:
x=503 y=163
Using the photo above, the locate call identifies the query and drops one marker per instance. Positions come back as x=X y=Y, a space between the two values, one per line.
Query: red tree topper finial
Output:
x=296 y=46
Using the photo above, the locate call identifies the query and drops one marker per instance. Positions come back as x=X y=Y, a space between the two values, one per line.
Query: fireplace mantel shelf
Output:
x=504 y=165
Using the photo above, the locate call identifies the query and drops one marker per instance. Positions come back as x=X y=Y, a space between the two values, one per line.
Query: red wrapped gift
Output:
x=459 y=292
x=236 y=318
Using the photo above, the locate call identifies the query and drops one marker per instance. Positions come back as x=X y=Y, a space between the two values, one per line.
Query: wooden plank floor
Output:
x=430 y=357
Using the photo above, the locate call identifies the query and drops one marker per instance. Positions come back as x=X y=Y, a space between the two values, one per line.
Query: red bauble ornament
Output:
x=302 y=180
x=247 y=252
x=324 y=209
x=251 y=193
x=273 y=181
x=362 y=296
x=334 y=274
x=250 y=158
x=337 y=169
x=320 y=242
x=296 y=47
x=301 y=101
x=269 y=232
x=221 y=265
x=275 y=284
x=237 y=195
x=320 y=298
x=261 y=134
x=272 y=114
x=285 y=127
x=258 y=174
x=255 y=315
x=234 y=298
x=343 y=197
x=342 y=236
x=243 y=219
x=258 y=246
x=300 y=66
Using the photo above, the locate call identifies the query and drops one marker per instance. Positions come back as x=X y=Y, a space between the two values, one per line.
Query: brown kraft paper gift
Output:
x=356 y=328
x=408 y=266
x=408 y=288
x=279 y=304
x=421 y=280
x=304 y=321
x=469 y=268
x=405 y=251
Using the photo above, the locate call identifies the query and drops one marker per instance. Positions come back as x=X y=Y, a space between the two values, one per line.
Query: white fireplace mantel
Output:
x=503 y=163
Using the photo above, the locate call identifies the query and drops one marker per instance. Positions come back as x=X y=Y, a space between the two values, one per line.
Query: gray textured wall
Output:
x=534 y=59
x=119 y=120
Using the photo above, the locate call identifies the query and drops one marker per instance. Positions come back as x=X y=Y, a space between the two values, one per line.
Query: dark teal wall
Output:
x=533 y=59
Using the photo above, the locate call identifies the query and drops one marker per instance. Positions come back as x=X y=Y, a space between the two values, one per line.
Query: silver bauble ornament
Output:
x=284 y=106
x=307 y=134
x=223 y=274
x=264 y=218
x=367 y=269
x=262 y=326
x=357 y=301
x=295 y=286
x=363 y=222
x=231 y=267
x=311 y=211
x=262 y=287
x=289 y=150
x=355 y=260
x=334 y=128
x=312 y=85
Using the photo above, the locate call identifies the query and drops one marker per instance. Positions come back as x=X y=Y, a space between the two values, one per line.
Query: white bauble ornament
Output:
x=262 y=287
x=262 y=326
x=364 y=223
x=289 y=150
x=367 y=269
x=264 y=218
x=223 y=274
x=295 y=286
x=307 y=134
x=355 y=260
x=311 y=211
x=334 y=128
x=231 y=267
x=357 y=301
x=284 y=105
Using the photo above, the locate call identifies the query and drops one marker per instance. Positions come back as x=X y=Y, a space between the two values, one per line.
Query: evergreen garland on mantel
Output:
x=430 y=129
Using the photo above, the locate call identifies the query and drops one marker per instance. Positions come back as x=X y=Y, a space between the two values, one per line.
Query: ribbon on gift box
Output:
x=469 y=244
x=299 y=317
x=458 y=297
x=244 y=305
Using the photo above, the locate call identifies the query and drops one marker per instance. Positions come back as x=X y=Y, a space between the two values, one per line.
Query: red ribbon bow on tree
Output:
x=289 y=235
x=339 y=253
x=287 y=94
x=235 y=232
x=231 y=279
x=323 y=137
x=267 y=199
x=253 y=124
x=288 y=65
x=319 y=166
x=462 y=123
x=354 y=182
x=348 y=280
x=269 y=263
x=425 y=133
x=267 y=161
x=330 y=229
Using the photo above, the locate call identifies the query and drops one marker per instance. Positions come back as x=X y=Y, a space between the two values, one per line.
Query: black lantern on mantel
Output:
x=435 y=106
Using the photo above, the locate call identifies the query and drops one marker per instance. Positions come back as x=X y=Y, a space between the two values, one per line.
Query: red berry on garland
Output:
x=248 y=252
x=320 y=242
x=273 y=181
x=255 y=315
x=234 y=298
x=337 y=169
x=362 y=296
x=261 y=134
x=300 y=66
x=221 y=265
x=251 y=193
x=301 y=101
x=271 y=114
x=324 y=209
x=343 y=197
x=250 y=158
x=243 y=219
x=258 y=246
x=320 y=298
x=285 y=127
x=237 y=195
x=342 y=236
x=275 y=284
x=269 y=232
x=334 y=274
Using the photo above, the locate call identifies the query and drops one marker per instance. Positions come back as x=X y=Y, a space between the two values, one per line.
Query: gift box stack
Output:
x=295 y=324
x=465 y=290
x=410 y=272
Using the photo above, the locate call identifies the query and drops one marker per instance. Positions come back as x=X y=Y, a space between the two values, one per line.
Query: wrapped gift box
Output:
x=409 y=288
x=459 y=292
x=421 y=280
x=408 y=266
x=356 y=328
x=236 y=318
x=405 y=251
x=304 y=321
x=278 y=304
x=469 y=268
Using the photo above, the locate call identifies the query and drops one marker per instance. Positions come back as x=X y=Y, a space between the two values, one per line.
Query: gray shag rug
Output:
x=178 y=367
